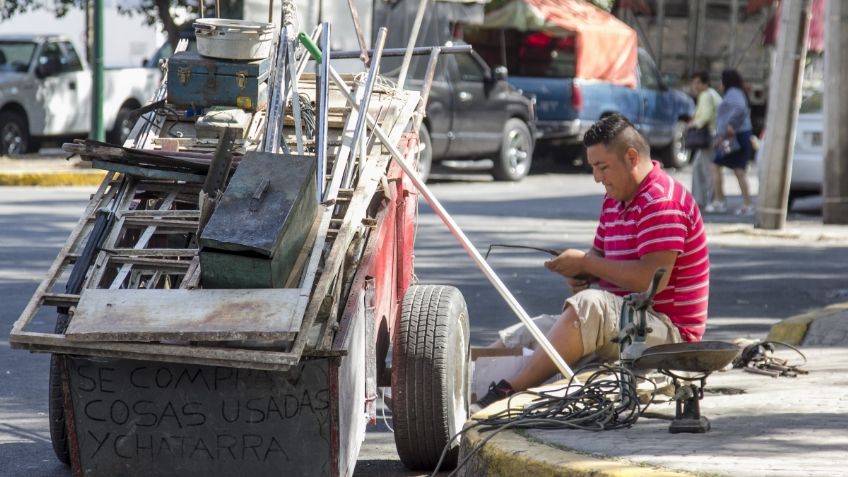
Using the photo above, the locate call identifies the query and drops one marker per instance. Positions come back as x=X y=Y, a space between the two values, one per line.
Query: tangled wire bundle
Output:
x=606 y=401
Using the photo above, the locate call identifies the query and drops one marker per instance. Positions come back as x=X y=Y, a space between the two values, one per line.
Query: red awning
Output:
x=815 y=37
x=606 y=48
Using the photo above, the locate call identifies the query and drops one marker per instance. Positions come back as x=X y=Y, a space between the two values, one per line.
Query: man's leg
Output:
x=566 y=338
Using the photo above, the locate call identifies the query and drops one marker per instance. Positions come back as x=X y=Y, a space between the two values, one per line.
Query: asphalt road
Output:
x=755 y=282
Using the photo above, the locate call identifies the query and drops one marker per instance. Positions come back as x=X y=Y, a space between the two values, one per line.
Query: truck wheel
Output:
x=14 y=135
x=425 y=156
x=675 y=154
x=123 y=126
x=56 y=403
x=516 y=153
x=430 y=378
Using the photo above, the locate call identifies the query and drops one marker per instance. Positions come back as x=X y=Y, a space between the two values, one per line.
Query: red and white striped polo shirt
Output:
x=662 y=217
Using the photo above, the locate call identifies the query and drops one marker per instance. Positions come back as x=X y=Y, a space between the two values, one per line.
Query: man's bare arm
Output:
x=633 y=275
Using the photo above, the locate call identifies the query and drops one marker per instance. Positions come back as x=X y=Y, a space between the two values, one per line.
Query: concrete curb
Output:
x=89 y=177
x=793 y=329
x=511 y=453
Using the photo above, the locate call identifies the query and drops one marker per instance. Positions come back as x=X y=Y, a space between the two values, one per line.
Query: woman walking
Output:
x=733 y=142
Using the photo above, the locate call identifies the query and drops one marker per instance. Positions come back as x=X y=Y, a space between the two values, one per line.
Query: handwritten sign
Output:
x=152 y=418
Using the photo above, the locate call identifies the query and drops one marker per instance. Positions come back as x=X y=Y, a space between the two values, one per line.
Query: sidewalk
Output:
x=48 y=168
x=761 y=426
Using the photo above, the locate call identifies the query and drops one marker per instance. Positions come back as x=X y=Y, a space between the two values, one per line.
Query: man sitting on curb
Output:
x=648 y=220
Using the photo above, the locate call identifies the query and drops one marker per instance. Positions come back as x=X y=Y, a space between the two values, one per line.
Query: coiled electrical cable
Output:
x=606 y=401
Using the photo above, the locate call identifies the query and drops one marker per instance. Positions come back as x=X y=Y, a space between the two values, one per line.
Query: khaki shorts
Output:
x=599 y=312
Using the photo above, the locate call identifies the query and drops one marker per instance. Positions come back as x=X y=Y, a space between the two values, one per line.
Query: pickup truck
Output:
x=567 y=106
x=474 y=113
x=45 y=92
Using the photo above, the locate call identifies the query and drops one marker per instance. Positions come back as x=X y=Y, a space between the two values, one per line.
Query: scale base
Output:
x=686 y=425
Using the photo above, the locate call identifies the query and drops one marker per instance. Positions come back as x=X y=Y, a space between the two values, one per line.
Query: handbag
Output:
x=697 y=138
x=728 y=146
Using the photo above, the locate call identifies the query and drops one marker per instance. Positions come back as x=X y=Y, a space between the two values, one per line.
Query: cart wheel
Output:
x=56 y=403
x=430 y=379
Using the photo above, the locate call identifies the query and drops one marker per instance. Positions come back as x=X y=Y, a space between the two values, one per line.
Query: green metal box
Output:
x=200 y=82
x=261 y=223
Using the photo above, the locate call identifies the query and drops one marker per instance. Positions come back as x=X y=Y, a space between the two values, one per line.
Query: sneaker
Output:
x=499 y=391
x=715 y=207
x=745 y=210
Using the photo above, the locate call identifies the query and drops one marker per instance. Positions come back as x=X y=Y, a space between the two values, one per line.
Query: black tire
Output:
x=14 y=133
x=425 y=156
x=516 y=153
x=431 y=377
x=56 y=402
x=675 y=155
x=123 y=126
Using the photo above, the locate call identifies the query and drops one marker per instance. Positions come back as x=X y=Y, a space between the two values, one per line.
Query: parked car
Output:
x=46 y=88
x=472 y=113
x=808 y=154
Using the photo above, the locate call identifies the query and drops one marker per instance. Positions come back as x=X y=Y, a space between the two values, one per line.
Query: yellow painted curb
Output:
x=52 y=178
x=510 y=454
x=792 y=330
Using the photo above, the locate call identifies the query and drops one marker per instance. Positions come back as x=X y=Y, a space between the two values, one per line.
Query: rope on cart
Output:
x=606 y=401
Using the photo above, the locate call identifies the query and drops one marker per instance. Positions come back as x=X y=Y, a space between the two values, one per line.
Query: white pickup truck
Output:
x=45 y=92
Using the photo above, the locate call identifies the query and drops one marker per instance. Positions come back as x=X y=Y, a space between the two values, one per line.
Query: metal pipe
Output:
x=276 y=108
x=296 y=113
x=395 y=52
x=366 y=101
x=363 y=55
x=429 y=73
x=323 y=85
x=460 y=236
x=413 y=37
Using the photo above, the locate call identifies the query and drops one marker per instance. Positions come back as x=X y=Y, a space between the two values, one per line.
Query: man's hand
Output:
x=577 y=285
x=569 y=263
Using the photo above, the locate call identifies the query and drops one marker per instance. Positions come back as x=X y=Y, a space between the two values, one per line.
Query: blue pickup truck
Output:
x=567 y=107
x=545 y=67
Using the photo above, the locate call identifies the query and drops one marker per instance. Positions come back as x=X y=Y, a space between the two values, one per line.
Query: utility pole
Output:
x=835 y=208
x=660 y=32
x=784 y=102
x=97 y=75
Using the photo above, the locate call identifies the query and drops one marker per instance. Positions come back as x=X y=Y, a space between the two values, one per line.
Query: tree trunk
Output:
x=163 y=8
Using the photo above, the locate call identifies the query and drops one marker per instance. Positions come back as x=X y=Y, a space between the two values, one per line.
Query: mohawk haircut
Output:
x=616 y=133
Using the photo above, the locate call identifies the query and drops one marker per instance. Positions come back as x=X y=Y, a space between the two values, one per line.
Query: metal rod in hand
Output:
x=323 y=85
x=490 y=274
x=413 y=37
x=373 y=70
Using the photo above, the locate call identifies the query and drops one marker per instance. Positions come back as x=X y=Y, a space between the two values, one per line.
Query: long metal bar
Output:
x=293 y=78
x=395 y=52
x=460 y=236
x=429 y=73
x=363 y=54
x=323 y=85
x=276 y=108
x=343 y=152
x=413 y=37
x=363 y=106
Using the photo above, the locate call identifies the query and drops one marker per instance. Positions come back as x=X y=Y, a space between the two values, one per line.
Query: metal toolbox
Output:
x=255 y=234
x=200 y=82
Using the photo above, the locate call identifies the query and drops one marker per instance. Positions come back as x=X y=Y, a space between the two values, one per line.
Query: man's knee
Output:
x=595 y=316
